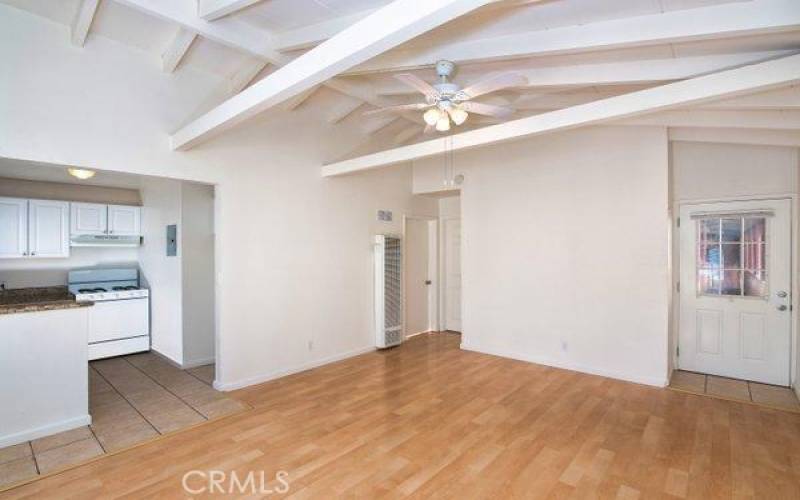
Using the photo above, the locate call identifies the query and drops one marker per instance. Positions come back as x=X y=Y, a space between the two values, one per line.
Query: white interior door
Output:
x=13 y=228
x=49 y=229
x=452 y=273
x=735 y=295
x=417 y=276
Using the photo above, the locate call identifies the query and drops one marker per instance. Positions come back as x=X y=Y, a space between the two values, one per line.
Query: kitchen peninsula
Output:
x=44 y=363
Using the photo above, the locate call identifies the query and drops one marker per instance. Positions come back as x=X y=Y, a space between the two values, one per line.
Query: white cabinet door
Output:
x=48 y=232
x=124 y=220
x=13 y=227
x=89 y=218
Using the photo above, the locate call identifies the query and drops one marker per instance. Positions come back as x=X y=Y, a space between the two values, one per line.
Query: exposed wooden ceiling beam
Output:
x=406 y=135
x=378 y=124
x=615 y=73
x=781 y=99
x=298 y=100
x=245 y=76
x=211 y=10
x=83 y=21
x=384 y=29
x=708 y=118
x=789 y=138
x=228 y=32
x=308 y=36
x=177 y=48
x=343 y=109
x=721 y=21
x=749 y=79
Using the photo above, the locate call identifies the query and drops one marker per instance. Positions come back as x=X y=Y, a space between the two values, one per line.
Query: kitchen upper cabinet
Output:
x=124 y=220
x=13 y=227
x=34 y=228
x=117 y=220
x=48 y=229
x=89 y=218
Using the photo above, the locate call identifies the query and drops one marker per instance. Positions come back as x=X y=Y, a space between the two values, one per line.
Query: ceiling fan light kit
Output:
x=446 y=101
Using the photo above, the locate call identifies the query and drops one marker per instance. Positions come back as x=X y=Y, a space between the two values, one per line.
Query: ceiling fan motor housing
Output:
x=445 y=68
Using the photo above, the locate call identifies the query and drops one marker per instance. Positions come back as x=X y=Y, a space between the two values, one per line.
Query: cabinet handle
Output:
x=33 y=253
x=24 y=253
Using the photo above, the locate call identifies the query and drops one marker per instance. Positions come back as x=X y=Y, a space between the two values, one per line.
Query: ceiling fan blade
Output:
x=487 y=109
x=419 y=84
x=494 y=83
x=397 y=109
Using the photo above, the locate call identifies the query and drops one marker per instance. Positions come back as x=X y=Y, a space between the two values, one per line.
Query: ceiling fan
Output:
x=447 y=101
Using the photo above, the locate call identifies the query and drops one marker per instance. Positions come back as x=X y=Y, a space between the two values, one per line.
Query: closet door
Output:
x=13 y=228
x=49 y=229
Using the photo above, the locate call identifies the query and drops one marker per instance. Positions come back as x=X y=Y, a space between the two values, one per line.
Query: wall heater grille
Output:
x=388 y=291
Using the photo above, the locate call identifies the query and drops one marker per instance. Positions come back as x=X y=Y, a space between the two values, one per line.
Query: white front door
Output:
x=735 y=290
x=452 y=274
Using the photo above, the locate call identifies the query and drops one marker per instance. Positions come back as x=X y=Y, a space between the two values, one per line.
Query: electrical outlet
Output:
x=310 y=345
x=3 y=285
x=564 y=346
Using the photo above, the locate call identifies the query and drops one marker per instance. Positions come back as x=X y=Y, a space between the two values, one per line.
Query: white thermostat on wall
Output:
x=385 y=215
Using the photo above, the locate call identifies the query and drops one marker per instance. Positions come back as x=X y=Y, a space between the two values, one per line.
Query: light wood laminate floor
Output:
x=427 y=419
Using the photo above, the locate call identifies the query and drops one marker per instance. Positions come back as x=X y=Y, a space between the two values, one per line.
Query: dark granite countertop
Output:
x=22 y=300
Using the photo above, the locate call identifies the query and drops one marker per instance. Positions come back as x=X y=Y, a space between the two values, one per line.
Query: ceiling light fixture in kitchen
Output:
x=81 y=173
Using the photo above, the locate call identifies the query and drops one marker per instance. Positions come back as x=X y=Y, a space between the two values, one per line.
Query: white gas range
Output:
x=119 y=321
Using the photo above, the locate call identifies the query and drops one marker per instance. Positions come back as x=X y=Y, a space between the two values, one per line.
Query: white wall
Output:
x=293 y=254
x=565 y=253
x=161 y=274
x=450 y=206
x=710 y=171
x=197 y=271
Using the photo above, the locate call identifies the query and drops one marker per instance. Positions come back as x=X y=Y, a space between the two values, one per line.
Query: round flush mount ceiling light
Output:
x=81 y=173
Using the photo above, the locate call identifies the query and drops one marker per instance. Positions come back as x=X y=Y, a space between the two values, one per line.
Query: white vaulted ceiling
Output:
x=244 y=40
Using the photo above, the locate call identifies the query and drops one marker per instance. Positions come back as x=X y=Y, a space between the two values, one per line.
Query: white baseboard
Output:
x=260 y=379
x=166 y=358
x=409 y=335
x=198 y=362
x=639 y=379
x=45 y=430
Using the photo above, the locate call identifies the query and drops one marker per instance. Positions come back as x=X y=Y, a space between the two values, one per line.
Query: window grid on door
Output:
x=732 y=256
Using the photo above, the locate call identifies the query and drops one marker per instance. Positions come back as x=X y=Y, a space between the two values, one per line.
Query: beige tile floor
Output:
x=766 y=395
x=131 y=399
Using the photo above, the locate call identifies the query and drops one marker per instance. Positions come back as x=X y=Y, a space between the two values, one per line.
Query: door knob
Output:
x=782 y=307
x=781 y=294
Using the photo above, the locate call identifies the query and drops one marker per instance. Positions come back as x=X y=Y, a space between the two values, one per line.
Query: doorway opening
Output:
x=421 y=243
x=432 y=270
